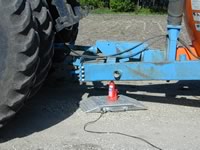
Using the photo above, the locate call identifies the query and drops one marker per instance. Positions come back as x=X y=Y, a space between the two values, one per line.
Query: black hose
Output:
x=117 y=55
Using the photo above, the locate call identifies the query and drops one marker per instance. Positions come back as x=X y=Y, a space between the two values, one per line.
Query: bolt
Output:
x=117 y=75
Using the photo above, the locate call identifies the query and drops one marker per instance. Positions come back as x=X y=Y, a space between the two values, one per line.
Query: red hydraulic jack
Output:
x=112 y=92
x=111 y=103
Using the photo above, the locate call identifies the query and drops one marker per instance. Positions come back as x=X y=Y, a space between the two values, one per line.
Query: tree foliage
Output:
x=127 y=5
x=93 y=3
x=122 y=5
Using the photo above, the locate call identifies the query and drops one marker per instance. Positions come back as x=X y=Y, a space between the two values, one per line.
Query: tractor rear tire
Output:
x=46 y=34
x=67 y=35
x=19 y=48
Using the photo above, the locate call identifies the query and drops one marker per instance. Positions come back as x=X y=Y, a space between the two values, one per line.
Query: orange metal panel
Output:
x=189 y=56
x=192 y=20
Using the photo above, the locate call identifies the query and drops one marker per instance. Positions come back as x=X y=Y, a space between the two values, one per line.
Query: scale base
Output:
x=99 y=104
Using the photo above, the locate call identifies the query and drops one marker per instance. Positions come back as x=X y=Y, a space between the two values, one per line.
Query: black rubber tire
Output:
x=46 y=33
x=70 y=36
x=67 y=35
x=19 y=48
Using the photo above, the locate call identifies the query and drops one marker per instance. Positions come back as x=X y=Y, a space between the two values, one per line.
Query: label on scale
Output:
x=195 y=4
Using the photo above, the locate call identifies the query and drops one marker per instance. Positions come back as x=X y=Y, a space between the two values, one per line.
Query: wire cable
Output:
x=116 y=133
x=141 y=51
x=116 y=55
x=188 y=48
x=151 y=38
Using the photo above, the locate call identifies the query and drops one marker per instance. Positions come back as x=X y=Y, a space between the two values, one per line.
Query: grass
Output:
x=142 y=11
x=102 y=11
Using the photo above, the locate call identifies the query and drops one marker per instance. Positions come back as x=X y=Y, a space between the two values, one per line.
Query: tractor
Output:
x=33 y=30
x=29 y=29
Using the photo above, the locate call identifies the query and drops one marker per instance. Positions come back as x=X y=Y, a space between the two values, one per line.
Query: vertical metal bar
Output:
x=175 y=13
x=173 y=34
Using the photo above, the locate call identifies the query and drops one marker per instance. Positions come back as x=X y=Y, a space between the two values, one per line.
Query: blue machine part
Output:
x=141 y=71
x=112 y=47
x=136 y=61
x=173 y=33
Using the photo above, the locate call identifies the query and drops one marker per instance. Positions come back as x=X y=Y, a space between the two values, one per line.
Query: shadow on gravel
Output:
x=50 y=106
x=56 y=103
x=185 y=93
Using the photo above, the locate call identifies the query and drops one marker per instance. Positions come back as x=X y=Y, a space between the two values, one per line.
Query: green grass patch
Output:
x=149 y=11
x=141 y=11
x=102 y=11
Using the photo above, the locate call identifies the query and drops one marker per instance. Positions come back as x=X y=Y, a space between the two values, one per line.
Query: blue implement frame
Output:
x=127 y=61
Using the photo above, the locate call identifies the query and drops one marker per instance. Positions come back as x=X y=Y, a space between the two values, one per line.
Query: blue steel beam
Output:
x=185 y=70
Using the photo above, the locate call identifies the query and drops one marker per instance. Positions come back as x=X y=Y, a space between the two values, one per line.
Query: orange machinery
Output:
x=192 y=22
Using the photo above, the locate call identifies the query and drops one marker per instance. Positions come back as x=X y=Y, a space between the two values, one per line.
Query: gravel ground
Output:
x=52 y=119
